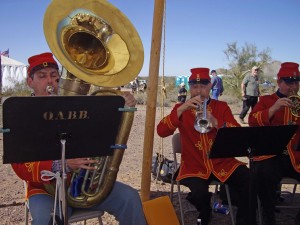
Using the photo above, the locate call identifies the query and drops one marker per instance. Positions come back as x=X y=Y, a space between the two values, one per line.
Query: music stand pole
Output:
x=252 y=189
x=63 y=137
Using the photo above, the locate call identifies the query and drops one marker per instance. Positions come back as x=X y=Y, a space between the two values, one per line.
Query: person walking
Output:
x=250 y=92
x=216 y=85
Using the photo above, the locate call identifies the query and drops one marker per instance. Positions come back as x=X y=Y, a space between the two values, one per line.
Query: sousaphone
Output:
x=97 y=45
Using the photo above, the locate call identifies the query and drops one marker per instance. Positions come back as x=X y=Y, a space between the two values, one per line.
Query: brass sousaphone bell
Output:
x=98 y=45
x=94 y=41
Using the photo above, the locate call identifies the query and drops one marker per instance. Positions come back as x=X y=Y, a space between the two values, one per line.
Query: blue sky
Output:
x=197 y=31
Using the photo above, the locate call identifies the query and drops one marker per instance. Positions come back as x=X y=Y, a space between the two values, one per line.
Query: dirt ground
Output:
x=12 y=192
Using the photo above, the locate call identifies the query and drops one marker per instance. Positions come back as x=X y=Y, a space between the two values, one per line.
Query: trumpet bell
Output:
x=102 y=50
x=202 y=125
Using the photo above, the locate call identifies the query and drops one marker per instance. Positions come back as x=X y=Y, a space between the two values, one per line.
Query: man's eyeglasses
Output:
x=256 y=70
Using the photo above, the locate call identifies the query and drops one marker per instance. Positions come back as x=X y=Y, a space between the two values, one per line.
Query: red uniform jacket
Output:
x=195 y=147
x=31 y=172
x=259 y=117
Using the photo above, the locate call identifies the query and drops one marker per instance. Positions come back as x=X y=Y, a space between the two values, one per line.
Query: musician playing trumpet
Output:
x=279 y=108
x=197 y=170
x=123 y=201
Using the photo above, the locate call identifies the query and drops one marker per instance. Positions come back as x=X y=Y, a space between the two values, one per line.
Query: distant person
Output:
x=145 y=87
x=274 y=110
x=250 y=92
x=217 y=85
x=137 y=85
x=134 y=87
x=142 y=87
x=182 y=93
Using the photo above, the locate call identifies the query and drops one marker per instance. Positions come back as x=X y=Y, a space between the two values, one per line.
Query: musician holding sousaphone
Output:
x=100 y=49
x=123 y=201
x=279 y=108
x=198 y=120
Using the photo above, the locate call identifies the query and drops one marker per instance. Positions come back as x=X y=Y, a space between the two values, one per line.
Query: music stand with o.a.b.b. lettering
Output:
x=251 y=141
x=60 y=127
x=90 y=124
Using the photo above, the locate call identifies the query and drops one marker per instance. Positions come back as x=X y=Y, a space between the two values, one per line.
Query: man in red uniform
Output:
x=197 y=170
x=123 y=201
x=272 y=110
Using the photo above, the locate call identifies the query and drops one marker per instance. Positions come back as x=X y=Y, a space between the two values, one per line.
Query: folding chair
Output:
x=84 y=215
x=288 y=205
x=77 y=215
x=290 y=181
x=176 y=145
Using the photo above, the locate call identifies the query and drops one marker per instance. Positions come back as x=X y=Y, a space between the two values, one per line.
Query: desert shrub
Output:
x=141 y=98
x=240 y=61
x=18 y=89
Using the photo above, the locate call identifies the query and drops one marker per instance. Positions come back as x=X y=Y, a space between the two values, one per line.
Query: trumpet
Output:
x=202 y=124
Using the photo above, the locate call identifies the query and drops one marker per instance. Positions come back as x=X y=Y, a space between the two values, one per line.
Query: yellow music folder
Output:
x=160 y=211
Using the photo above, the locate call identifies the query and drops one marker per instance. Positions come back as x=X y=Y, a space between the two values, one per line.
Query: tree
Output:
x=241 y=60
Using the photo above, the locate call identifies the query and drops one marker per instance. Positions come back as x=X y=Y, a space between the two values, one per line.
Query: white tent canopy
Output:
x=12 y=72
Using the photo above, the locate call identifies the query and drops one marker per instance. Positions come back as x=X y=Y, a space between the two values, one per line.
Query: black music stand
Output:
x=251 y=141
x=41 y=128
x=36 y=123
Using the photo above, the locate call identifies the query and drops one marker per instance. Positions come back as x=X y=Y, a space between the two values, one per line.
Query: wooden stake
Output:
x=152 y=98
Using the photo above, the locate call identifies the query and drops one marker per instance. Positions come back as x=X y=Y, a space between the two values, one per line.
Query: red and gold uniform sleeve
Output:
x=259 y=116
x=31 y=171
x=223 y=114
x=169 y=124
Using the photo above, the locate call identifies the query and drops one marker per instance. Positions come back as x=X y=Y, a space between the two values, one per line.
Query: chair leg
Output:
x=294 y=190
x=216 y=189
x=26 y=213
x=180 y=203
x=229 y=204
x=100 y=220
x=26 y=209
x=259 y=209
x=172 y=190
x=214 y=196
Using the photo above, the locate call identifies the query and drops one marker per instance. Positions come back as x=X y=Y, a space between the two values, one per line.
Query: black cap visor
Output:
x=289 y=80
x=201 y=81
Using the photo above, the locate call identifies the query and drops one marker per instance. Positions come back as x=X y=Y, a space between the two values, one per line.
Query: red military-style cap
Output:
x=199 y=75
x=289 y=72
x=38 y=62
